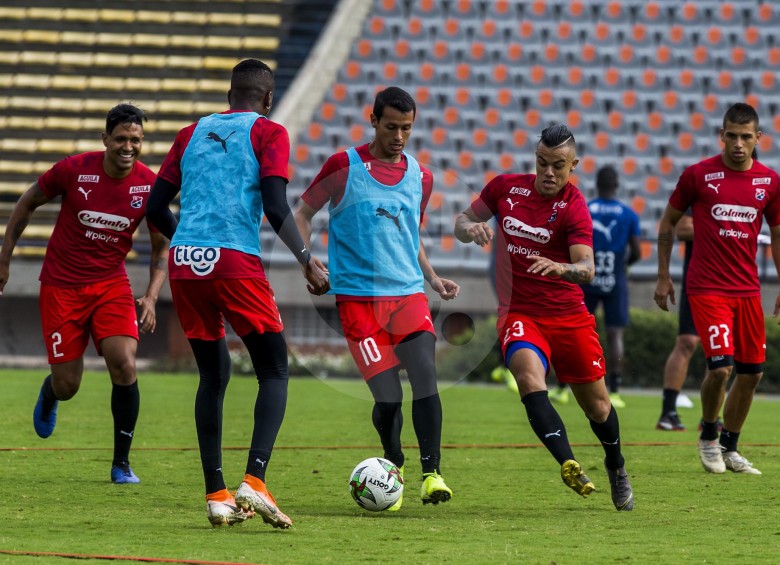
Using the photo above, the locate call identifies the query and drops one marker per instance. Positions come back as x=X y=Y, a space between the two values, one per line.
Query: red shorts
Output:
x=570 y=343
x=70 y=315
x=374 y=328
x=730 y=326
x=204 y=305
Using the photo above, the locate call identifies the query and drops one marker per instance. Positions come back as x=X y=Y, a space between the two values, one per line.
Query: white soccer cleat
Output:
x=711 y=456
x=225 y=512
x=684 y=401
x=738 y=464
x=262 y=503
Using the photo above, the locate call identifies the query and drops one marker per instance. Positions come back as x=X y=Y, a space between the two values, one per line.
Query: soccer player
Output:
x=377 y=194
x=542 y=318
x=676 y=367
x=616 y=247
x=728 y=194
x=231 y=168
x=84 y=286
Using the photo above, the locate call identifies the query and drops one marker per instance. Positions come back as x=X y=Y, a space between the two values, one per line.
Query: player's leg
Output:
x=615 y=319
x=675 y=372
x=387 y=415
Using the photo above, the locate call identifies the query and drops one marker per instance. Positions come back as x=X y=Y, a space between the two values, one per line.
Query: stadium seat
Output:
x=502 y=10
x=415 y=31
x=616 y=15
x=727 y=17
x=690 y=14
x=653 y=15
x=427 y=9
x=538 y=12
x=724 y=85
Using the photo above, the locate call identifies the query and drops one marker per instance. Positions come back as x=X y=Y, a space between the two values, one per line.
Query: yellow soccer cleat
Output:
x=434 y=490
x=397 y=506
x=576 y=479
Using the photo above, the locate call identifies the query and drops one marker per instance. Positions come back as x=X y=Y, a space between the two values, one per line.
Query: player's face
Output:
x=739 y=140
x=553 y=166
x=392 y=132
x=123 y=147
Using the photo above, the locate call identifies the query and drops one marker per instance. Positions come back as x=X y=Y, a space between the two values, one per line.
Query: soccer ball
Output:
x=376 y=484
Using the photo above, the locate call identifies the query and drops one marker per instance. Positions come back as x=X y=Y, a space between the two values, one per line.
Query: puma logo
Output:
x=511 y=204
x=606 y=230
x=214 y=137
x=128 y=434
x=262 y=463
x=386 y=214
x=85 y=193
x=714 y=187
x=597 y=363
x=556 y=433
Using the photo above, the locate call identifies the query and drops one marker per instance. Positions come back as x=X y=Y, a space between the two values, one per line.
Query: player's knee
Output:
x=687 y=344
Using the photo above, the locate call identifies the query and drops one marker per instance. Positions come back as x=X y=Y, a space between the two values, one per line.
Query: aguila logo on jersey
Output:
x=137 y=202
x=734 y=213
x=89 y=178
x=760 y=194
x=762 y=180
x=200 y=259
x=139 y=189
x=515 y=227
x=520 y=190
x=714 y=176
x=104 y=221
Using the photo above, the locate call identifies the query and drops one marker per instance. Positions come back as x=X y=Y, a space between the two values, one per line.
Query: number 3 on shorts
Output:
x=370 y=351
x=515 y=330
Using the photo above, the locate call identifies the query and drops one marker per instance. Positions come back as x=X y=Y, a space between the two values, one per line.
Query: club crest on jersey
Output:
x=89 y=178
x=714 y=176
x=553 y=216
x=136 y=202
x=760 y=194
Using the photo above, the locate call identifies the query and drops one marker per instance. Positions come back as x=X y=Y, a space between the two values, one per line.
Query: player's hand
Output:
x=480 y=233
x=446 y=288
x=147 y=319
x=774 y=315
x=317 y=276
x=545 y=267
x=665 y=290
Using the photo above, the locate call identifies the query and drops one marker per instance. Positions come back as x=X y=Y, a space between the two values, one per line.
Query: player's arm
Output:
x=32 y=198
x=634 y=250
x=471 y=226
x=158 y=209
x=684 y=228
x=580 y=271
x=158 y=270
x=664 y=289
x=775 y=245
x=277 y=210
x=445 y=288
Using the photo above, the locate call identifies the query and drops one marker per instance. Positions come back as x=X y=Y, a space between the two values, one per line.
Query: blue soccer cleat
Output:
x=44 y=422
x=122 y=474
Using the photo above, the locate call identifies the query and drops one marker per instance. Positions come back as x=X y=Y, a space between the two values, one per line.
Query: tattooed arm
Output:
x=664 y=288
x=579 y=271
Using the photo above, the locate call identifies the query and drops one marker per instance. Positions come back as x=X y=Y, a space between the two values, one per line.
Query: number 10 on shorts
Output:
x=370 y=351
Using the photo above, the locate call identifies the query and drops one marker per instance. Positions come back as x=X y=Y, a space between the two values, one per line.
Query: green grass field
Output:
x=509 y=504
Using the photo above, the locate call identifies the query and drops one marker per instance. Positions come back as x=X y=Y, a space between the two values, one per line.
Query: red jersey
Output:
x=531 y=225
x=99 y=214
x=271 y=145
x=727 y=209
x=329 y=184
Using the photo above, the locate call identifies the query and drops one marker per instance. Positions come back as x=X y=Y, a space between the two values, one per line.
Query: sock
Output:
x=728 y=440
x=608 y=433
x=614 y=382
x=125 y=404
x=547 y=425
x=670 y=401
x=268 y=352
x=220 y=495
x=214 y=481
x=709 y=431
x=427 y=420
x=255 y=482
x=48 y=397
x=388 y=420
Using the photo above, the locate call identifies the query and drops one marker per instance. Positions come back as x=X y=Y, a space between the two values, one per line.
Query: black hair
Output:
x=124 y=114
x=606 y=180
x=741 y=113
x=395 y=98
x=252 y=75
x=557 y=135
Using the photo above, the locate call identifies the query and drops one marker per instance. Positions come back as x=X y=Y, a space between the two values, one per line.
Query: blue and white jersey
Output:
x=219 y=166
x=374 y=234
x=613 y=225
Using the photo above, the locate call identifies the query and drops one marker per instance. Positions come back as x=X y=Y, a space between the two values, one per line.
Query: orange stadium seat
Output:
x=415 y=31
x=538 y=11
x=464 y=9
x=653 y=15
x=689 y=14
x=427 y=9
x=505 y=10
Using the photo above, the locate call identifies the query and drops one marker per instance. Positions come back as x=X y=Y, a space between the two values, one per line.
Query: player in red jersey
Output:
x=545 y=252
x=84 y=287
x=231 y=168
x=377 y=194
x=728 y=194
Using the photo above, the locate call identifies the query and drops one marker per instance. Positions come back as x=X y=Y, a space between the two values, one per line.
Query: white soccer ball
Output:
x=376 y=484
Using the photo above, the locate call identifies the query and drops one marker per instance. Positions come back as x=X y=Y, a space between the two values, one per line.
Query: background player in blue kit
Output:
x=616 y=246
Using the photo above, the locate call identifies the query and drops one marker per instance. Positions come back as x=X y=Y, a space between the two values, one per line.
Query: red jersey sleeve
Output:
x=271 y=143
x=580 y=225
x=53 y=181
x=683 y=195
x=772 y=210
x=486 y=205
x=427 y=190
x=329 y=183
x=170 y=170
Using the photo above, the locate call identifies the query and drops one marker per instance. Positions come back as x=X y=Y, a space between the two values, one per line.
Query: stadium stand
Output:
x=644 y=84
